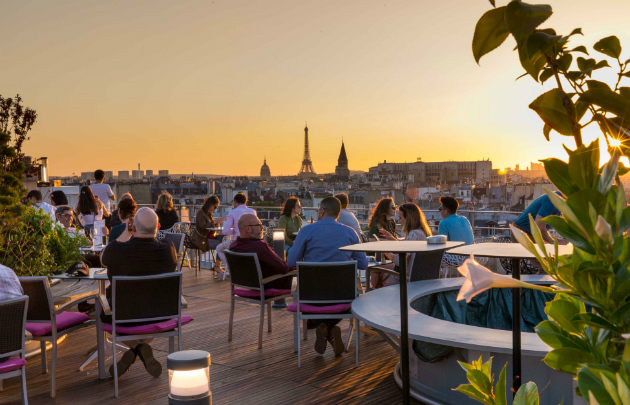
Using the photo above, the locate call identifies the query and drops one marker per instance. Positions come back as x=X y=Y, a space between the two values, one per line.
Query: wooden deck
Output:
x=240 y=373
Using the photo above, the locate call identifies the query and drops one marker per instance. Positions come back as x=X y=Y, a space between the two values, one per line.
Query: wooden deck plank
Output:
x=240 y=372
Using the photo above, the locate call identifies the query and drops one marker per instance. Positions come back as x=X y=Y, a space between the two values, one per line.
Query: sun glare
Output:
x=615 y=142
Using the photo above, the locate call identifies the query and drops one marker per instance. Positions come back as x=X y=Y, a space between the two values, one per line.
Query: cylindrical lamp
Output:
x=189 y=378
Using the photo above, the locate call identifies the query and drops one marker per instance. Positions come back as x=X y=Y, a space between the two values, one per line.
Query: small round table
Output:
x=515 y=252
x=402 y=248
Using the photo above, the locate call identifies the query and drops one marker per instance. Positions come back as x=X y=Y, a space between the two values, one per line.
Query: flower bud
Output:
x=603 y=230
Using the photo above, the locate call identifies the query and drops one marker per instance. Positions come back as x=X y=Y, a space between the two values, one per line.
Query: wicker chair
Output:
x=47 y=323
x=134 y=300
x=13 y=320
x=247 y=284
x=325 y=291
x=424 y=267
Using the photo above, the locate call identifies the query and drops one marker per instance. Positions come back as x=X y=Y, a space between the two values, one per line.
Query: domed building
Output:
x=265 y=173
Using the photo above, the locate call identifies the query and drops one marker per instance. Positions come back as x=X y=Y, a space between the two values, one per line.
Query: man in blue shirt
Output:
x=320 y=242
x=540 y=208
x=455 y=227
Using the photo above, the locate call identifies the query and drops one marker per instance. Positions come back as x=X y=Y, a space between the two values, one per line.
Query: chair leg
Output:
x=356 y=340
x=171 y=344
x=351 y=332
x=181 y=264
x=2 y=384
x=269 y=317
x=296 y=332
x=115 y=367
x=304 y=326
x=179 y=340
x=260 y=326
x=231 y=319
x=42 y=345
x=299 y=348
x=24 y=391
x=53 y=369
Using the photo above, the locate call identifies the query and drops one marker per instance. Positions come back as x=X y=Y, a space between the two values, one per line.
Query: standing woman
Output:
x=415 y=227
x=290 y=221
x=167 y=216
x=89 y=209
x=204 y=239
x=381 y=222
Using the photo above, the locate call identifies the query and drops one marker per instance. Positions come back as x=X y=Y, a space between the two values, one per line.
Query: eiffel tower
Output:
x=307 y=165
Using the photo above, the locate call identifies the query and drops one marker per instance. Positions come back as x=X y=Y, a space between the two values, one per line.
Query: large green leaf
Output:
x=474 y=394
x=568 y=233
x=499 y=392
x=490 y=32
x=527 y=394
x=595 y=320
x=564 y=62
x=550 y=109
x=557 y=338
x=479 y=380
x=625 y=92
x=568 y=359
x=584 y=164
x=558 y=172
x=609 y=46
x=539 y=43
x=609 y=101
x=589 y=382
x=523 y=18
x=533 y=69
x=595 y=84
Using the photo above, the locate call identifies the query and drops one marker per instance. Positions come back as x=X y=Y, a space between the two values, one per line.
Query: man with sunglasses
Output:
x=251 y=241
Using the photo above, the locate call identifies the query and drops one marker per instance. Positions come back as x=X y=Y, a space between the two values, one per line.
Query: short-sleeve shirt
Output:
x=10 y=286
x=541 y=206
x=457 y=229
x=103 y=191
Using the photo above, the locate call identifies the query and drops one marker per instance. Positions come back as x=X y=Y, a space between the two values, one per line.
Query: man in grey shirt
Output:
x=346 y=216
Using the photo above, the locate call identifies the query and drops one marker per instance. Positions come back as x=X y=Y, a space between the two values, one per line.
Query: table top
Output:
x=96 y=248
x=96 y=273
x=404 y=246
x=214 y=229
x=506 y=250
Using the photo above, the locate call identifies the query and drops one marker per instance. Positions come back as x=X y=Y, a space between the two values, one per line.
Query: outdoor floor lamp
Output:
x=189 y=378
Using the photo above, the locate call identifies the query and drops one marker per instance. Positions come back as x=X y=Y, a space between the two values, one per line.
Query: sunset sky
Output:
x=215 y=86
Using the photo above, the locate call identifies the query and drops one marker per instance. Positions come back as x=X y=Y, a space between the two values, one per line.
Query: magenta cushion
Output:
x=269 y=292
x=314 y=309
x=64 y=321
x=157 y=327
x=12 y=364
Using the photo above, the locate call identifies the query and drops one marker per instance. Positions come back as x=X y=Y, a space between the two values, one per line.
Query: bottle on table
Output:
x=312 y=219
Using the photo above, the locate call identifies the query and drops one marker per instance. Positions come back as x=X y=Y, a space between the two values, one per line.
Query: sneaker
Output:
x=335 y=340
x=124 y=363
x=150 y=363
x=320 y=343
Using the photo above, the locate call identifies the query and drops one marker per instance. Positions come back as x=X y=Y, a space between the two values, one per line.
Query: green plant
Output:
x=591 y=311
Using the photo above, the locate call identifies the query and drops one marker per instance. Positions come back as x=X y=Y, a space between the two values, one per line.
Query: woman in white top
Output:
x=90 y=209
x=415 y=227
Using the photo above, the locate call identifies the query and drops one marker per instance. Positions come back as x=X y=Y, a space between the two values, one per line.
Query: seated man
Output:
x=35 y=198
x=10 y=286
x=65 y=218
x=250 y=241
x=142 y=255
x=346 y=216
x=320 y=242
x=455 y=227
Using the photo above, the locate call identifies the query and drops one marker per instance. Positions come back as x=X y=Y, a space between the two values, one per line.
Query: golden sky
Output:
x=214 y=86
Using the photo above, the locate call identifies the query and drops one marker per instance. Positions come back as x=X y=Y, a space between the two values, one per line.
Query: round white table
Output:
x=515 y=252
x=402 y=248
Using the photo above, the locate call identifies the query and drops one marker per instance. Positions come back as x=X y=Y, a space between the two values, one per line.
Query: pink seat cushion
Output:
x=157 y=327
x=269 y=292
x=314 y=309
x=12 y=364
x=64 y=321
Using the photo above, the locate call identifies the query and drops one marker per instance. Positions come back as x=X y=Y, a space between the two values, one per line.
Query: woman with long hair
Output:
x=381 y=221
x=167 y=216
x=203 y=238
x=89 y=209
x=290 y=221
x=58 y=198
x=415 y=227
x=126 y=212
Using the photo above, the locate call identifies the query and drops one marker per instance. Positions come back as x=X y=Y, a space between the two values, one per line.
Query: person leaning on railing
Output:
x=290 y=221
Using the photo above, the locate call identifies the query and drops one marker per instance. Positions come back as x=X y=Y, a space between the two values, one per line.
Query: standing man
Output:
x=230 y=227
x=455 y=227
x=320 y=242
x=540 y=208
x=104 y=192
x=346 y=216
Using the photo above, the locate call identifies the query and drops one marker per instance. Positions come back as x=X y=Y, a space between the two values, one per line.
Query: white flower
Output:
x=480 y=279
x=603 y=230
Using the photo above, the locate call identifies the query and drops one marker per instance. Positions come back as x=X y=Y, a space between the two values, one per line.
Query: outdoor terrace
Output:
x=240 y=373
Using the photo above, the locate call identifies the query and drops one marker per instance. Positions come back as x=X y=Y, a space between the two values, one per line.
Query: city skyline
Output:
x=215 y=87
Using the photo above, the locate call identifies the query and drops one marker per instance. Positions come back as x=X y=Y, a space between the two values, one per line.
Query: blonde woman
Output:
x=167 y=216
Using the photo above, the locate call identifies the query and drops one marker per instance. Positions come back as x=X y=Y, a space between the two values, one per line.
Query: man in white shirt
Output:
x=10 y=286
x=230 y=227
x=65 y=216
x=104 y=192
x=35 y=197
x=346 y=216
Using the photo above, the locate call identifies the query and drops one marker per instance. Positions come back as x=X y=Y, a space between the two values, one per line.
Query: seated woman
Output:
x=382 y=219
x=290 y=221
x=167 y=216
x=415 y=227
x=203 y=238
x=126 y=212
x=115 y=216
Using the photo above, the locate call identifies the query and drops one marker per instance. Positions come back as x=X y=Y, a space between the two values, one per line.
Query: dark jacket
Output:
x=200 y=232
x=167 y=219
